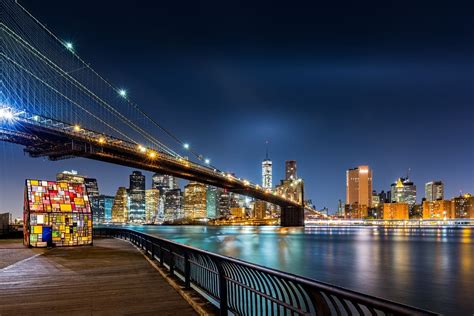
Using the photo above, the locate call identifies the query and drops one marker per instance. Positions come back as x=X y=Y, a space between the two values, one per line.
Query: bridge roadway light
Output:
x=186 y=146
x=141 y=148
x=69 y=46
x=77 y=128
x=101 y=140
x=122 y=93
x=207 y=161
x=152 y=154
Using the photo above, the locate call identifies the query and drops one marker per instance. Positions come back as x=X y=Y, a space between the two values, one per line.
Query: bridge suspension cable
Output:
x=117 y=90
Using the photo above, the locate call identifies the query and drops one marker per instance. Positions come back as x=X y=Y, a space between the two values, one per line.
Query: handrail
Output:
x=244 y=288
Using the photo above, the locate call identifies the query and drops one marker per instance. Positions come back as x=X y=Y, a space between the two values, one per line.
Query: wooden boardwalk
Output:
x=110 y=278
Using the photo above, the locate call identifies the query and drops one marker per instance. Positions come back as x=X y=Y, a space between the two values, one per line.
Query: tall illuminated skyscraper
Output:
x=434 y=190
x=152 y=197
x=120 y=206
x=195 y=200
x=137 y=197
x=404 y=191
x=267 y=172
x=359 y=186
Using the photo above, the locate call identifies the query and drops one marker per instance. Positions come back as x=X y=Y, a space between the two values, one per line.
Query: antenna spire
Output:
x=266 y=149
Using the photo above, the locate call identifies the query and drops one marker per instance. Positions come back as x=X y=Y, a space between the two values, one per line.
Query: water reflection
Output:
x=431 y=268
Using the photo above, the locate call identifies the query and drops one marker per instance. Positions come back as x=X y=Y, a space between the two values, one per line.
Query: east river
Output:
x=430 y=268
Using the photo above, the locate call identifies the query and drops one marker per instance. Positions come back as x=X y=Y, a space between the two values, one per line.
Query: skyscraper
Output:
x=434 y=190
x=404 y=191
x=105 y=204
x=137 y=197
x=195 y=200
x=152 y=197
x=267 y=171
x=120 y=206
x=359 y=186
x=290 y=170
x=172 y=210
x=223 y=202
x=211 y=202
x=164 y=182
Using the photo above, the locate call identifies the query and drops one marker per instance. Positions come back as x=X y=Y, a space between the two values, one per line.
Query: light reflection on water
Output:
x=429 y=267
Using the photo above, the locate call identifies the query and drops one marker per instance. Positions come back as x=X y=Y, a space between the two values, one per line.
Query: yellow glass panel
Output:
x=37 y=229
x=65 y=207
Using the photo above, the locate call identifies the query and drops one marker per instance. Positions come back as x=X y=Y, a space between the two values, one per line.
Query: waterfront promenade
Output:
x=110 y=278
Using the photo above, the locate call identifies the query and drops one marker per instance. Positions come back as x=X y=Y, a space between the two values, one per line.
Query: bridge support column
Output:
x=292 y=216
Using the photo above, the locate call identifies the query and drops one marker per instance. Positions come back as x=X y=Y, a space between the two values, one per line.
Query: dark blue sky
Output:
x=332 y=86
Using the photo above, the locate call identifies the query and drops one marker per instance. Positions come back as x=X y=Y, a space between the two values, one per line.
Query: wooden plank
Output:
x=109 y=278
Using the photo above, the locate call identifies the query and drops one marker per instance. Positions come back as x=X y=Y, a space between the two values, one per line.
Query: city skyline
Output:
x=312 y=96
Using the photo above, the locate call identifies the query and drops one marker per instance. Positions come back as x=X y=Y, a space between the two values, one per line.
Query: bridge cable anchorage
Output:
x=117 y=90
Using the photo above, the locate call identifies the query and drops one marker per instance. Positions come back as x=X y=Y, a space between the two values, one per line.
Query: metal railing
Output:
x=243 y=288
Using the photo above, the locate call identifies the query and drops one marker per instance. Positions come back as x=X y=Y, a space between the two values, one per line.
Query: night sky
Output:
x=332 y=86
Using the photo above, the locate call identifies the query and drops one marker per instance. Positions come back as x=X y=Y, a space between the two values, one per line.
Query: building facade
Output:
x=195 y=200
x=434 y=190
x=152 y=198
x=260 y=209
x=404 y=191
x=120 y=206
x=211 y=202
x=359 y=186
x=104 y=204
x=137 y=197
x=438 y=209
x=173 y=205
x=395 y=211
x=464 y=206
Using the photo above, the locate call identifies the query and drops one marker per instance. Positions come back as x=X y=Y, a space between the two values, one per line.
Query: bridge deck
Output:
x=109 y=278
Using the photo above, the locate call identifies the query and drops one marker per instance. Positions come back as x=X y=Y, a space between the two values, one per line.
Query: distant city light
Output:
x=122 y=93
x=186 y=146
x=69 y=45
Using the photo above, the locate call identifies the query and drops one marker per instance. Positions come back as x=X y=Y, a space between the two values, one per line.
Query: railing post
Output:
x=223 y=308
x=187 y=270
x=171 y=263
x=162 y=256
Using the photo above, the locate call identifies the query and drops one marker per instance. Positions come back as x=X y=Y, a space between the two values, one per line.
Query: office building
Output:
x=359 y=186
x=223 y=202
x=404 y=191
x=464 y=206
x=104 y=205
x=438 y=209
x=260 y=209
x=120 y=206
x=164 y=182
x=211 y=202
x=136 y=193
x=434 y=190
x=152 y=198
x=173 y=205
x=70 y=176
x=395 y=211
x=290 y=170
x=267 y=172
x=195 y=200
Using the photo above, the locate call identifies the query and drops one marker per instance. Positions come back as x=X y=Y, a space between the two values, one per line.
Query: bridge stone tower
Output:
x=292 y=216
